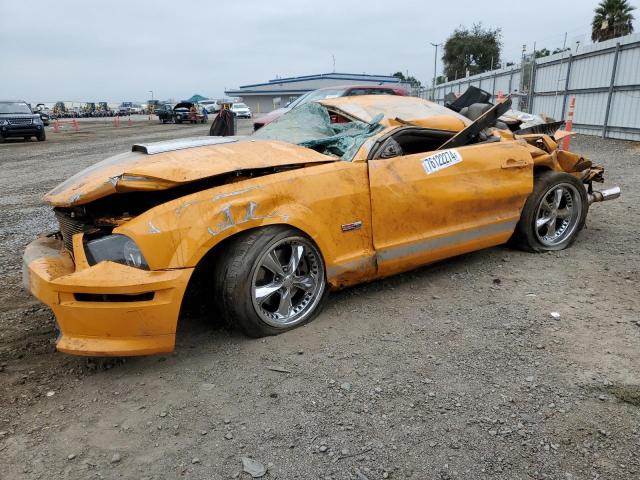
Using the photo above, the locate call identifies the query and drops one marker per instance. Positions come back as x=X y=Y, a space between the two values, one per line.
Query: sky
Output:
x=115 y=50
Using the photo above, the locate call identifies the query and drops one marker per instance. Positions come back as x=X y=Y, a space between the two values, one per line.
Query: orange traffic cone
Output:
x=56 y=126
x=129 y=123
x=569 y=125
x=75 y=124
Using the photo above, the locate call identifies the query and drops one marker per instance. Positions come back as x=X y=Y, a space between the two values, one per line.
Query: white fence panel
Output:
x=602 y=107
x=591 y=72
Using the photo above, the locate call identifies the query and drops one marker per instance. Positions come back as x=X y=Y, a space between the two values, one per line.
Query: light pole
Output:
x=435 y=67
x=151 y=92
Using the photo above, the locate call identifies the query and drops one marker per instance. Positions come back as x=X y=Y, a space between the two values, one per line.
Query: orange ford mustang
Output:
x=262 y=227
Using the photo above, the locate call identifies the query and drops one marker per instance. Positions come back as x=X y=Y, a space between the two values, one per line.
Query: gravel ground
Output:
x=456 y=370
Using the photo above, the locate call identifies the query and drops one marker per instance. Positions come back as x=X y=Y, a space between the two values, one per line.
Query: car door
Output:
x=434 y=205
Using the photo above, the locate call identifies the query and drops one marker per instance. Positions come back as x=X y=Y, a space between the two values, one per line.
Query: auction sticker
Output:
x=441 y=160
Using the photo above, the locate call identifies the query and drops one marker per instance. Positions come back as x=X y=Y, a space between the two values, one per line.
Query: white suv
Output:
x=240 y=110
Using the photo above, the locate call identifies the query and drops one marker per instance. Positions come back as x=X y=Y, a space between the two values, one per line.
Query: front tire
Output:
x=554 y=213
x=42 y=136
x=270 y=280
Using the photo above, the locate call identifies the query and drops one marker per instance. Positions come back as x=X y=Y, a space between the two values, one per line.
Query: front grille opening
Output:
x=114 y=297
x=69 y=226
x=20 y=121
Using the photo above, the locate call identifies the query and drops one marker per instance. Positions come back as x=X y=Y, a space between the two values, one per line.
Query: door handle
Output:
x=513 y=163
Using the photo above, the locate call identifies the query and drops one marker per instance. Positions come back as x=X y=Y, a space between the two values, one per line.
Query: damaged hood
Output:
x=164 y=165
x=394 y=107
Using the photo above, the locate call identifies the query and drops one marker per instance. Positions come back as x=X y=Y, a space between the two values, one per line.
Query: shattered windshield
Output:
x=310 y=126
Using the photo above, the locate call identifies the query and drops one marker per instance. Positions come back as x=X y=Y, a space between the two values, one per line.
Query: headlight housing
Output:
x=4 y=122
x=115 y=248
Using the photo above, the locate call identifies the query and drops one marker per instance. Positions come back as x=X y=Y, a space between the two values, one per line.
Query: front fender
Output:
x=317 y=200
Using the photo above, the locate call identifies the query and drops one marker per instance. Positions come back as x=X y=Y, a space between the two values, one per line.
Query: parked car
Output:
x=212 y=106
x=164 y=111
x=44 y=115
x=182 y=113
x=129 y=108
x=17 y=120
x=137 y=109
x=328 y=92
x=259 y=229
x=240 y=110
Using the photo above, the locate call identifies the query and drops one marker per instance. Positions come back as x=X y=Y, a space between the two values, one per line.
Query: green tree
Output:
x=414 y=82
x=476 y=49
x=543 y=53
x=613 y=18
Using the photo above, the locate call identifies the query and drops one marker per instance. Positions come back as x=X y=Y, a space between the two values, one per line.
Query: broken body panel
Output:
x=369 y=217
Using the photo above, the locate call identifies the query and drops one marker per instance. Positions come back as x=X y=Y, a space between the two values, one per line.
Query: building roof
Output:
x=306 y=83
x=197 y=98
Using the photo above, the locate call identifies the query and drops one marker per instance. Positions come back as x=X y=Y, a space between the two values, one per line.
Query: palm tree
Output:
x=613 y=18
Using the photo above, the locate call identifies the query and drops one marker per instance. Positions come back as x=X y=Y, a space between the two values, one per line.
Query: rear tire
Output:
x=270 y=280
x=553 y=215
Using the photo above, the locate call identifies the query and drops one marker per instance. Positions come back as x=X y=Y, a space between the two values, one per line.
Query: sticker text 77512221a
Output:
x=441 y=160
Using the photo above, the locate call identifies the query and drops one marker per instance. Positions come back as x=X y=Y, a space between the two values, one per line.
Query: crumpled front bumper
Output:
x=107 y=309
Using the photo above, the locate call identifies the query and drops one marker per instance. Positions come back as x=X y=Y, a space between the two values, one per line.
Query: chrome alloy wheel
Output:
x=288 y=282
x=558 y=214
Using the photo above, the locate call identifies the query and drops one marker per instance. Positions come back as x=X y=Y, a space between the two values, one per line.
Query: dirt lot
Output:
x=457 y=370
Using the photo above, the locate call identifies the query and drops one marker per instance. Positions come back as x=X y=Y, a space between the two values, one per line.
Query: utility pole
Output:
x=435 y=67
x=333 y=57
x=151 y=92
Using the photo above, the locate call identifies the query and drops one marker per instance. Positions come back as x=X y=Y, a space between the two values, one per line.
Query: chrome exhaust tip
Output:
x=603 y=195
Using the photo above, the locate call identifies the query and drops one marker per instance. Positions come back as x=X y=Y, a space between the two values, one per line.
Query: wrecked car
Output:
x=259 y=229
x=475 y=101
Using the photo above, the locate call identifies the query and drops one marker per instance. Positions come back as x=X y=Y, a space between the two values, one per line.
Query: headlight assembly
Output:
x=115 y=248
